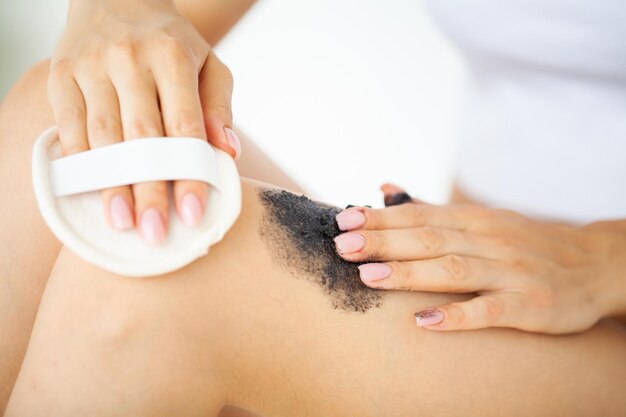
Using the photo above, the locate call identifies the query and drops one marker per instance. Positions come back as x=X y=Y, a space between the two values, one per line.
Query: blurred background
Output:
x=343 y=94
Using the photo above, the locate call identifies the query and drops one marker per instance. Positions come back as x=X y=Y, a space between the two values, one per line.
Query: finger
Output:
x=410 y=244
x=104 y=128
x=484 y=311
x=182 y=116
x=216 y=90
x=403 y=216
x=395 y=195
x=68 y=107
x=141 y=118
x=450 y=273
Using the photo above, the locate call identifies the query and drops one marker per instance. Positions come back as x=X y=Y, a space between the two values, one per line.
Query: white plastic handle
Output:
x=135 y=161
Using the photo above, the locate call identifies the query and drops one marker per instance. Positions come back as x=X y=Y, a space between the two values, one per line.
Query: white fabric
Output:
x=545 y=127
x=78 y=220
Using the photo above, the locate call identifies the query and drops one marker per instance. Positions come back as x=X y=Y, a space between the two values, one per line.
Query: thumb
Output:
x=216 y=90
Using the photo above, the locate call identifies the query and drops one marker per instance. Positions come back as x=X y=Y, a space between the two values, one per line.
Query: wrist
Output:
x=119 y=7
x=610 y=243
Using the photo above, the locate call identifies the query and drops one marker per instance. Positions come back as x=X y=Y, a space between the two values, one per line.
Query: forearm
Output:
x=213 y=18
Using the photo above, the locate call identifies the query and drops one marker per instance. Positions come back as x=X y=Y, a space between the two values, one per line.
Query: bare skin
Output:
x=24 y=114
x=224 y=331
x=252 y=333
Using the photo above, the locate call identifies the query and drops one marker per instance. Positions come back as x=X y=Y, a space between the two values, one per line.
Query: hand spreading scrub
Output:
x=530 y=275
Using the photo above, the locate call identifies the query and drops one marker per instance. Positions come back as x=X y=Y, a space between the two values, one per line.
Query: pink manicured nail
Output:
x=121 y=216
x=374 y=272
x=350 y=219
x=151 y=226
x=233 y=141
x=190 y=209
x=428 y=317
x=349 y=243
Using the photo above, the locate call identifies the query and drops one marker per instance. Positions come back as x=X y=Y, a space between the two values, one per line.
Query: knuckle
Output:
x=400 y=270
x=187 y=125
x=494 y=308
x=72 y=147
x=223 y=113
x=408 y=279
x=103 y=127
x=542 y=296
x=372 y=217
x=456 y=315
x=505 y=242
x=175 y=50
x=125 y=50
x=377 y=245
x=69 y=116
x=141 y=128
x=62 y=67
x=149 y=194
x=415 y=212
x=430 y=239
x=457 y=268
x=477 y=214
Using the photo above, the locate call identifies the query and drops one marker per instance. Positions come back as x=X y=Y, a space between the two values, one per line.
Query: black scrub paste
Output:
x=299 y=233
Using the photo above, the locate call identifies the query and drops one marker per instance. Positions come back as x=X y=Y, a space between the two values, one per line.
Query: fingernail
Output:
x=428 y=317
x=374 y=272
x=349 y=243
x=350 y=219
x=121 y=216
x=233 y=141
x=190 y=209
x=151 y=226
x=397 y=199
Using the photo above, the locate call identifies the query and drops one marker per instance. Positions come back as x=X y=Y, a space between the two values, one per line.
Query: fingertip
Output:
x=388 y=188
x=191 y=198
x=152 y=227
x=121 y=213
x=223 y=137
x=429 y=317
x=350 y=219
x=118 y=203
x=233 y=142
x=191 y=210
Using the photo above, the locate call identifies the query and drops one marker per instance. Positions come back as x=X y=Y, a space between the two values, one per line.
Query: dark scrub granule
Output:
x=299 y=233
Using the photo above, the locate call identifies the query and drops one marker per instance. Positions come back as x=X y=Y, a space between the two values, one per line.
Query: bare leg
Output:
x=256 y=164
x=29 y=249
x=236 y=327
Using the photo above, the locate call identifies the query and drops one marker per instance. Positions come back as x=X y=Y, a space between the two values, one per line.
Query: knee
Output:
x=31 y=85
x=25 y=111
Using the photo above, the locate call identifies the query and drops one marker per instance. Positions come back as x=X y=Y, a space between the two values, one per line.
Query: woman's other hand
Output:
x=130 y=69
x=529 y=275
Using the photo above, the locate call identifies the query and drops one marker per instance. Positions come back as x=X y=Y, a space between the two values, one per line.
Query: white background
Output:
x=344 y=94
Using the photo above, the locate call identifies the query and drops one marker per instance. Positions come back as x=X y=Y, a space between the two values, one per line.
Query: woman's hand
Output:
x=529 y=275
x=129 y=69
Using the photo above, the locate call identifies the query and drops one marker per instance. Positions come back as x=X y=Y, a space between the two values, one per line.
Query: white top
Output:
x=545 y=127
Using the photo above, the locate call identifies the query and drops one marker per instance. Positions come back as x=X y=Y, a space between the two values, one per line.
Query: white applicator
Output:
x=67 y=192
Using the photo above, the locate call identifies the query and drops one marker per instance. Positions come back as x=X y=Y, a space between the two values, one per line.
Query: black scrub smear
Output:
x=300 y=232
x=397 y=199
